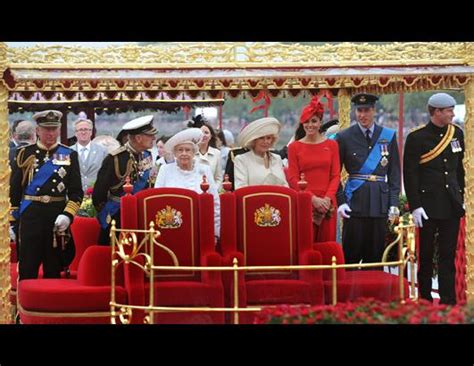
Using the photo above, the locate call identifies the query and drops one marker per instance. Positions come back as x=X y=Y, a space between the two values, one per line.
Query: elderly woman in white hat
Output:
x=259 y=166
x=186 y=171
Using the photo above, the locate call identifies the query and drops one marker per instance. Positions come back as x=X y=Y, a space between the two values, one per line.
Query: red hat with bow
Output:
x=315 y=107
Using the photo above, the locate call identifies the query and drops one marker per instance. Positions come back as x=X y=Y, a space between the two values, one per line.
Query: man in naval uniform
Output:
x=369 y=153
x=45 y=194
x=130 y=160
x=434 y=182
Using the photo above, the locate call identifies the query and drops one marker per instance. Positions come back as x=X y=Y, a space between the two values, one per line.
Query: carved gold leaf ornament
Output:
x=225 y=54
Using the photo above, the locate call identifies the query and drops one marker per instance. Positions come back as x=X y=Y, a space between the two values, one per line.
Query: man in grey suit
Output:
x=90 y=154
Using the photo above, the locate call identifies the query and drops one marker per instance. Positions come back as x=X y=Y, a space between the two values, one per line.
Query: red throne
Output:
x=265 y=226
x=354 y=284
x=185 y=220
x=73 y=301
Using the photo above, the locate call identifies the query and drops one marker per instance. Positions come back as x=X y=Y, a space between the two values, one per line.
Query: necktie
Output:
x=83 y=153
x=367 y=136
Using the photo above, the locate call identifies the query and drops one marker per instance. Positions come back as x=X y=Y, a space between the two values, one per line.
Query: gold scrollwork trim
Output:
x=239 y=54
x=372 y=83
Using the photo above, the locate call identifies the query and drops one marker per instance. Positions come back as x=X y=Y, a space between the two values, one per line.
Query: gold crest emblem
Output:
x=169 y=218
x=267 y=216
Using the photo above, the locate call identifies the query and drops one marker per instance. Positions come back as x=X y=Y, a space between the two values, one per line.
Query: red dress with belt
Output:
x=321 y=167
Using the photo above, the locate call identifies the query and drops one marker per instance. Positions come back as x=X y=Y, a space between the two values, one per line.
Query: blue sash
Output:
x=112 y=207
x=41 y=177
x=370 y=164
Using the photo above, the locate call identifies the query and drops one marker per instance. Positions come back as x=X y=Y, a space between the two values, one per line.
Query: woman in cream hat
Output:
x=186 y=171
x=259 y=166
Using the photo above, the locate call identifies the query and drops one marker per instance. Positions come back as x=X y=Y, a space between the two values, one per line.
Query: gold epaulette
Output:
x=417 y=128
x=10 y=214
x=118 y=150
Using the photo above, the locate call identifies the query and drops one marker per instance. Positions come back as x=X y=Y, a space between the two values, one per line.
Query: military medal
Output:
x=61 y=159
x=455 y=146
x=384 y=152
x=62 y=172
x=108 y=219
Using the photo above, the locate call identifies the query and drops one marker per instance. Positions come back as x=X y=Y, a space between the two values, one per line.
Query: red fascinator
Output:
x=315 y=107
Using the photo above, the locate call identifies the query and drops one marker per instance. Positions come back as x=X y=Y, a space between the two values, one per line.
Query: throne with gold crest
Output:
x=269 y=226
x=185 y=221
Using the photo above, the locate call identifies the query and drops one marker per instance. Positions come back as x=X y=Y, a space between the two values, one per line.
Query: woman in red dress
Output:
x=318 y=158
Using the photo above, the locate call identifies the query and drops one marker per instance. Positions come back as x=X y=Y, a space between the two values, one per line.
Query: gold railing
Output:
x=405 y=231
x=126 y=249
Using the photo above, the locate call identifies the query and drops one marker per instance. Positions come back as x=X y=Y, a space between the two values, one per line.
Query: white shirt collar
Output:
x=371 y=129
x=80 y=147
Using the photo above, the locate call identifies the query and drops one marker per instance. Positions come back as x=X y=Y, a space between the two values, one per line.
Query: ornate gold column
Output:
x=469 y=190
x=5 y=306
x=344 y=101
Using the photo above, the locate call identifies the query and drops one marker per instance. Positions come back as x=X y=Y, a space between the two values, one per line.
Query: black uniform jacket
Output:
x=112 y=174
x=64 y=182
x=372 y=199
x=438 y=185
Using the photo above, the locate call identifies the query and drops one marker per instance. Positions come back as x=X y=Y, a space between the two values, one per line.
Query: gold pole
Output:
x=469 y=180
x=236 y=290
x=401 y=266
x=112 y=274
x=334 y=280
x=344 y=101
x=5 y=285
x=152 y=271
x=411 y=248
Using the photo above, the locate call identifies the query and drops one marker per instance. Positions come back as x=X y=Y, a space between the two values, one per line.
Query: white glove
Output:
x=418 y=215
x=393 y=213
x=344 y=210
x=62 y=222
x=12 y=234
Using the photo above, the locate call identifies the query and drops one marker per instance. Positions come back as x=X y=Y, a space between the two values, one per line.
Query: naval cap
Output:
x=48 y=118
x=140 y=125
